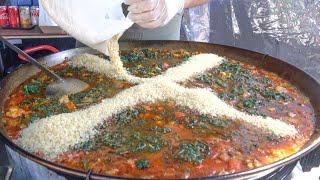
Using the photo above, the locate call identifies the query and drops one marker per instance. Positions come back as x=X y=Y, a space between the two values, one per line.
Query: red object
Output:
x=13 y=13
x=4 y=19
x=37 y=48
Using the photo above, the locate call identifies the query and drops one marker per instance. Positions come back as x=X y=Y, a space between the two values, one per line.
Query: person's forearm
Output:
x=193 y=3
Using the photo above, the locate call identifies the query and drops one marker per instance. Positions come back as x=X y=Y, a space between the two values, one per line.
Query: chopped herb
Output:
x=150 y=54
x=192 y=123
x=34 y=117
x=219 y=122
x=264 y=80
x=141 y=146
x=126 y=116
x=87 y=145
x=32 y=88
x=89 y=97
x=113 y=139
x=194 y=152
x=227 y=96
x=220 y=83
x=251 y=103
x=143 y=65
x=142 y=164
x=154 y=143
x=205 y=79
x=247 y=91
x=274 y=95
x=163 y=130
x=51 y=107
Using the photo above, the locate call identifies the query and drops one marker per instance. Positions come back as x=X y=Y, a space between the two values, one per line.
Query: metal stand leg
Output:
x=1 y=67
x=5 y=165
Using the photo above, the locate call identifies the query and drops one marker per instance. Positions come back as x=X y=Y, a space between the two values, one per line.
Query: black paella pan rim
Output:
x=266 y=61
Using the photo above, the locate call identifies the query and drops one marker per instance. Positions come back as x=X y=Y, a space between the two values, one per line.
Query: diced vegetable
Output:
x=15 y=112
x=179 y=115
x=71 y=106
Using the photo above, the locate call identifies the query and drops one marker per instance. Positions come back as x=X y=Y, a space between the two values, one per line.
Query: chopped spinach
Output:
x=34 y=117
x=87 y=145
x=204 y=78
x=220 y=83
x=141 y=146
x=132 y=57
x=250 y=92
x=154 y=143
x=194 y=152
x=127 y=137
x=144 y=67
x=251 y=103
x=274 y=95
x=142 y=164
x=163 y=130
x=203 y=122
x=219 y=122
x=114 y=139
x=126 y=116
x=50 y=107
x=32 y=88
x=150 y=143
x=193 y=123
x=227 y=96
x=89 y=97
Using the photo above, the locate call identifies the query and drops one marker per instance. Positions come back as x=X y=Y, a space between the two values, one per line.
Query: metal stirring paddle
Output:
x=58 y=88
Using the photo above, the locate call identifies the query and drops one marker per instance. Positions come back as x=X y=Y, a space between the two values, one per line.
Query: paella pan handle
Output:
x=36 y=49
x=32 y=61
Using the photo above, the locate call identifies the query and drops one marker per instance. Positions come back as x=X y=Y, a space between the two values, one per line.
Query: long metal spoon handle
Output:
x=30 y=59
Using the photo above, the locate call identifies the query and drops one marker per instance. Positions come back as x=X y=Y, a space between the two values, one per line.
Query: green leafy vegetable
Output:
x=113 y=139
x=194 y=152
x=32 y=88
x=126 y=116
x=163 y=130
x=87 y=145
x=219 y=122
x=142 y=164
x=34 y=117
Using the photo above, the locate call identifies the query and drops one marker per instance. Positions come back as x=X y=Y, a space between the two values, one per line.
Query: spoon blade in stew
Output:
x=58 y=88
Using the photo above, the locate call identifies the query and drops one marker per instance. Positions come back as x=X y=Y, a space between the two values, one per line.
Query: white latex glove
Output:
x=91 y=22
x=153 y=13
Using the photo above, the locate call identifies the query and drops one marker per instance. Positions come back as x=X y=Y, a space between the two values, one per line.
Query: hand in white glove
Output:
x=153 y=13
